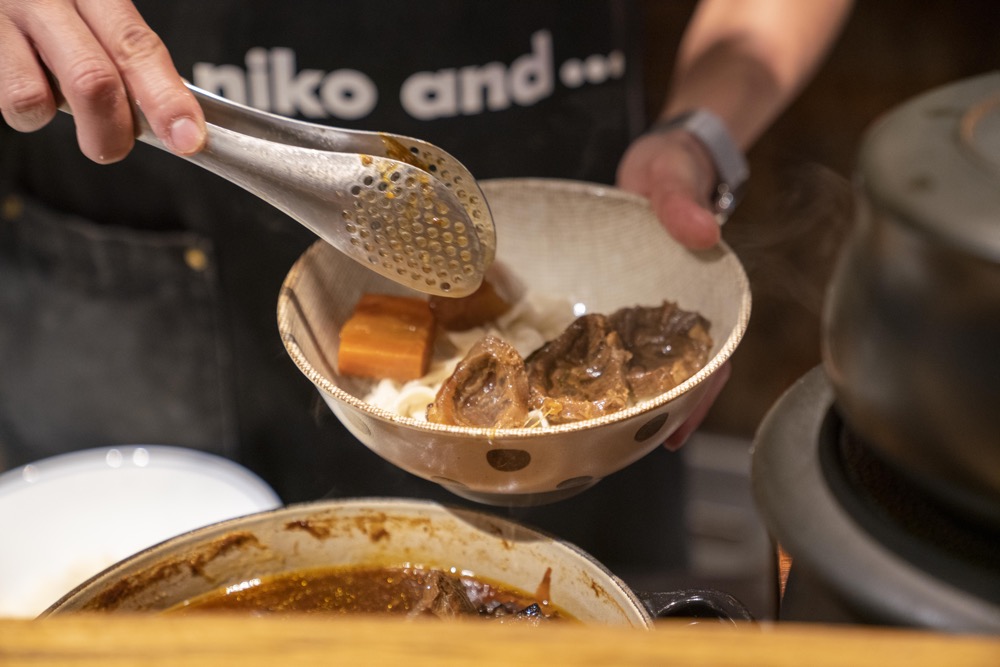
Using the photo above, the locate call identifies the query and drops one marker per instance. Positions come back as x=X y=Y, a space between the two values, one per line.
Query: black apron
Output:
x=137 y=300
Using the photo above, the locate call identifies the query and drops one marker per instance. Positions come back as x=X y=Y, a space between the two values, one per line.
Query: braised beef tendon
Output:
x=489 y=388
x=667 y=344
x=581 y=373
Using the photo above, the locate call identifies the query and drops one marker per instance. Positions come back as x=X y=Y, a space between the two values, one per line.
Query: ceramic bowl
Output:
x=596 y=247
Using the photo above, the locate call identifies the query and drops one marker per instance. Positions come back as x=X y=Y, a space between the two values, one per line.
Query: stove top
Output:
x=913 y=524
x=859 y=531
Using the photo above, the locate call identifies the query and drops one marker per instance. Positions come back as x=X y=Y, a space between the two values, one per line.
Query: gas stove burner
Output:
x=866 y=545
x=897 y=511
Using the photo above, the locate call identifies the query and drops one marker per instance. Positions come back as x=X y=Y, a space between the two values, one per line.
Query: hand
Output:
x=675 y=173
x=713 y=387
x=104 y=57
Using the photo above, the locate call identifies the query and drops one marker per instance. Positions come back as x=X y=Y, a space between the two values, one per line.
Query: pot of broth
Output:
x=404 y=557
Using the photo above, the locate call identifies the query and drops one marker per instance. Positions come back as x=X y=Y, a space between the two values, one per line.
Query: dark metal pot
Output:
x=912 y=320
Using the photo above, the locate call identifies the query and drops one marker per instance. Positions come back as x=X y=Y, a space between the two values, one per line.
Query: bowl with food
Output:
x=589 y=342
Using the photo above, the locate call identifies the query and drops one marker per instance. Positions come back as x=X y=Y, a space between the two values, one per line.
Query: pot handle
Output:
x=697 y=604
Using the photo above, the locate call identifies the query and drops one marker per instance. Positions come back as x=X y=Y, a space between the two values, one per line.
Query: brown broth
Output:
x=372 y=590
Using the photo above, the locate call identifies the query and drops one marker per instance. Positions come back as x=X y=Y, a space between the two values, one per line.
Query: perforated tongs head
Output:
x=402 y=207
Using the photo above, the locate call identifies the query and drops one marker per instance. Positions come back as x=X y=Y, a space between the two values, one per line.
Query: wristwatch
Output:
x=731 y=167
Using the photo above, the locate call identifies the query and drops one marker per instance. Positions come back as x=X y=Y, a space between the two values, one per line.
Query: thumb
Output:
x=685 y=219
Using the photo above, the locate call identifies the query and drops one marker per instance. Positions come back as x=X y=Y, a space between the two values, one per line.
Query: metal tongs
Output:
x=400 y=206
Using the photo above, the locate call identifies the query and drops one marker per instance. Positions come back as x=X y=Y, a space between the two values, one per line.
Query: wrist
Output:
x=724 y=157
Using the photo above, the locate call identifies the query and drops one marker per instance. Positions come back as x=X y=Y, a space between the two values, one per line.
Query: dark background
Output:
x=798 y=207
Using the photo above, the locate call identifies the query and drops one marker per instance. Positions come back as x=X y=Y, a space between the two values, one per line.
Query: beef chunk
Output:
x=668 y=345
x=489 y=388
x=581 y=373
x=443 y=597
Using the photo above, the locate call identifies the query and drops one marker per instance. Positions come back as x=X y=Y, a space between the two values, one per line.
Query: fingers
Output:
x=87 y=79
x=690 y=223
x=715 y=384
x=673 y=172
x=26 y=99
x=147 y=70
x=104 y=57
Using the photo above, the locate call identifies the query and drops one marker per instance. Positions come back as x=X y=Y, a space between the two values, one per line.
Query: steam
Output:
x=789 y=244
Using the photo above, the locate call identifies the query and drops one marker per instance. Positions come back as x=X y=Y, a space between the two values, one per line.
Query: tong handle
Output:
x=248 y=121
x=407 y=211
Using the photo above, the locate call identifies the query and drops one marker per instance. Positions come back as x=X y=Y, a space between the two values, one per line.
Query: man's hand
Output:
x=105 y=58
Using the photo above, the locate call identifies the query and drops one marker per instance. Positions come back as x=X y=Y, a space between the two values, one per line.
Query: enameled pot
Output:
x=912 y=321
x=383 y=532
